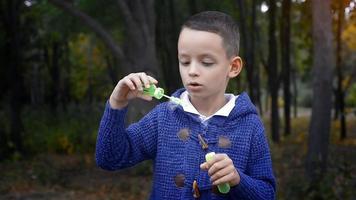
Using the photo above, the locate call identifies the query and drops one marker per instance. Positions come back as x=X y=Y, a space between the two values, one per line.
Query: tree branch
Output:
x=93 y=25
x=142 y=17
x=125 y=11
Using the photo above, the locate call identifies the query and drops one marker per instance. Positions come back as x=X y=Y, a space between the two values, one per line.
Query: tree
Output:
x=11 y=13
x=169 y=18
x=323 y=62
x=272 y=70
x=340 y=92
x=93 y=25
x=285 y=49
x=248 y=48
x=138 y=51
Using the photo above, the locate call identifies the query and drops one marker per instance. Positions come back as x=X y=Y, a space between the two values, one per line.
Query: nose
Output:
x=193 y=69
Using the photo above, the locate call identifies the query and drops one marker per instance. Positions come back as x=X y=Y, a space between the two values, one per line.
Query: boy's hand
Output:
x=221 y=169
x=130 y=87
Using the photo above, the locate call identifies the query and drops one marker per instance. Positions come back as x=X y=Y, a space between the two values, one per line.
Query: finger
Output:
x=204 y=166
x=218 y=165
x=137 y=81
x=217 y=158
x=225 y=179
x=128 y=83
x=152 y=80
x=221 y=156
x=221 y=173
x=144 y=79
x=211 y=161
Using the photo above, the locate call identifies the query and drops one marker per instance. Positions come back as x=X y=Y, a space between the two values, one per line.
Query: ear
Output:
x=235 y=67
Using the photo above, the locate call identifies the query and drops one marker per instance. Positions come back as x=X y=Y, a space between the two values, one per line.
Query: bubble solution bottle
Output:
x=225 y=187
x=158 y=93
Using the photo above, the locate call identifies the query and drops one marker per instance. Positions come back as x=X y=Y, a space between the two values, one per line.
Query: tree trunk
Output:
x=256 y=71
x=340 y=90
x=167 y=37
x=193 y=8
x=140 y=46
x=273 y=71
x=89 y=93
x=246 y=47
x=140 y=36
x=12 y=12
x=112 y=72
x=295 y=92
x=336 y=103
x=36 y=95
x=54 y=58
x=323 y=62
x=285 y=49
x=66 y=97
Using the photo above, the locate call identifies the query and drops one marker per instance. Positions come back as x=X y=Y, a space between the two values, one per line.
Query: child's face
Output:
x=204 y=66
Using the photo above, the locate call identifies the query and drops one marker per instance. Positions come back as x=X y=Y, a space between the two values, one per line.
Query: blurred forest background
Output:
x=60 y=60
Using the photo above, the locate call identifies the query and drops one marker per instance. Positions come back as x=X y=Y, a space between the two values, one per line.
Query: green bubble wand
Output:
x=158 y=93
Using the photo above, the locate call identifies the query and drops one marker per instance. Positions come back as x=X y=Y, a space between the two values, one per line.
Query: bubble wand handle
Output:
x=158 y=93
x=224 y=187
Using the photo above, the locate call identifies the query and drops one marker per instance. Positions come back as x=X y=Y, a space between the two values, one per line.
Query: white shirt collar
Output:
x=224 y=111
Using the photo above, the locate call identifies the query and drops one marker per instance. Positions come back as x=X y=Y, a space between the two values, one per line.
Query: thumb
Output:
x=204 y=166
x=144 y=96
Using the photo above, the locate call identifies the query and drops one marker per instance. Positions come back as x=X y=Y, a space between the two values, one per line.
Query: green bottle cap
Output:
x=225 y=187
x=154 y=91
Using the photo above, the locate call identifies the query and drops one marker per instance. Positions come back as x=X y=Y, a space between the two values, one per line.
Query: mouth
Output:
x=194 y=84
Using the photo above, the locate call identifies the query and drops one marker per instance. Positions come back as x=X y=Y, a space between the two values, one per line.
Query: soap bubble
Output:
x=183 y=134
x=224 y=142
x=172 y=106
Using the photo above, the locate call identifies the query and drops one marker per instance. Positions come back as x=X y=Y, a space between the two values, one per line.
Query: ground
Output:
x=57 y=177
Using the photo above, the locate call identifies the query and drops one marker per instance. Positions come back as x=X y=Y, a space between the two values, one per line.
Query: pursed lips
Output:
x=194 y=84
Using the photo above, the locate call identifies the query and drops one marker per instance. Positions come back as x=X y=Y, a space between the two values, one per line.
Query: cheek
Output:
x=182 y=76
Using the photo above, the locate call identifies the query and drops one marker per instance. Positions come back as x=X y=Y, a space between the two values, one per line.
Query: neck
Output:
x=208 y=106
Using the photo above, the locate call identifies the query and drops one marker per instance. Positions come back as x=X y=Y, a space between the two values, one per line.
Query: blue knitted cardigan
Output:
x=158 y=136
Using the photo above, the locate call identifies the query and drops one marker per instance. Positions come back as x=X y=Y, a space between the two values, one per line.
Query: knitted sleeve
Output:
x=258 y=181
x=118 y=147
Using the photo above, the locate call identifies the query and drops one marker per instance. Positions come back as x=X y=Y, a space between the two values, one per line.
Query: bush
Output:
x=67 y=132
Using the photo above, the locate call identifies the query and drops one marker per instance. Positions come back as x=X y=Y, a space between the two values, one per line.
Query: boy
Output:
x=178 y=138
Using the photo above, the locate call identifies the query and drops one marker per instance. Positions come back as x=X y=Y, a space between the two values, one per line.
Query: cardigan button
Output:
x=224 y=142
x=202 y=142
x=196 y=192
x=179 y=180
x=183 y=134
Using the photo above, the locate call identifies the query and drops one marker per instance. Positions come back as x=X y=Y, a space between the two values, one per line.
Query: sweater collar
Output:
x=243 y=106
x=223 y=111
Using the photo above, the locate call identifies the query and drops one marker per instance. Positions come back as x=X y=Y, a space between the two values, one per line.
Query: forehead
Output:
x=194 y=41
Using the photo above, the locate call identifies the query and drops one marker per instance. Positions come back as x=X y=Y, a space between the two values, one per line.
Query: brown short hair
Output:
x=219 y=23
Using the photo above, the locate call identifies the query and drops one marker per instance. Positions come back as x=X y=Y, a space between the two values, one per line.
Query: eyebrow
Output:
x=183 y=56
x=200 y=55
x=206 y=55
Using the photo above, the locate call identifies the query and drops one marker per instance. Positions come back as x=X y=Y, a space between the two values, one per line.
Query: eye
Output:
x=207 y=64
x=184 y=63
x=207 y=61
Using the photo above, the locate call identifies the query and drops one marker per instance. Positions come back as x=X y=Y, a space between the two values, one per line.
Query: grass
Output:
x=289 y=164
x=51 y=176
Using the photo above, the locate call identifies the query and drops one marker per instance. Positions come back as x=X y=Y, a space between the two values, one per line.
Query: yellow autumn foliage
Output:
x=349 y=36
